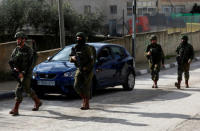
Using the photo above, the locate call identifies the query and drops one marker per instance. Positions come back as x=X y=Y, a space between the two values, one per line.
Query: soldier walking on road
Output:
x=21 y=63
x=185 y=54
x=155 y=56
x=84 y=60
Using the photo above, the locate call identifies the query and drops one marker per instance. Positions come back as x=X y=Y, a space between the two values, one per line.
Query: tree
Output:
x=15 y=14
x=12 y=15
x=195 y=8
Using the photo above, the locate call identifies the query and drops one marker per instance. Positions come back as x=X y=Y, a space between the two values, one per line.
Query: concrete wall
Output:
x=6 y=51
x=169 y=42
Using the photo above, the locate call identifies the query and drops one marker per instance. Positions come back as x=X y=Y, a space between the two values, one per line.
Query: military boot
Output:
x=87 y=106
x=38 y=103
x=83 y=104
x=155 y=84
x=186 y=84
x=14 y=111
x=178 y=84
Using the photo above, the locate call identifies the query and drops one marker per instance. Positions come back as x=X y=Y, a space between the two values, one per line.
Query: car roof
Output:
x=98 y=44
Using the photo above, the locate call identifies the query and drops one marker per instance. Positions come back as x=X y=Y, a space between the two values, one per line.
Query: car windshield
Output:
x=63 y=55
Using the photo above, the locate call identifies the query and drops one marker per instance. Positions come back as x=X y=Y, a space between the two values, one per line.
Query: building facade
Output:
x=118 y=13
x=176 y=6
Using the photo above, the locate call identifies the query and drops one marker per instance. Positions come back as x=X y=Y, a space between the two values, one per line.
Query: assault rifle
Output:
x=15 y=73
x=77 y=56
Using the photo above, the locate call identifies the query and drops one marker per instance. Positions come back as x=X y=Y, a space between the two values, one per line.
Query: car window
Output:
x=105 y=52
x=118 y=52
x=63 y=55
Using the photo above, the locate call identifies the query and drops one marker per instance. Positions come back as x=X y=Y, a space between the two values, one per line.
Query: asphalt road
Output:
x=143 y=109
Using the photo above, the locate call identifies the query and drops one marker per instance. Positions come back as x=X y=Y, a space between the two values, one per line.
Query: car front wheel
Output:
x=129 y=82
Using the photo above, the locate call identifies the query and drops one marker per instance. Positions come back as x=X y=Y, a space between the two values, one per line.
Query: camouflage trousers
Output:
x=154 y=70
x=25 y=86
x=83 y=83
x=183 y=68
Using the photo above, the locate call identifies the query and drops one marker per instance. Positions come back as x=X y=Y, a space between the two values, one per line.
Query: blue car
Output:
x=114 y=66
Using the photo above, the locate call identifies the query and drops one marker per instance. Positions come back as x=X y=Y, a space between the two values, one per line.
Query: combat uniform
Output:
x=154 y=59
x=85 y=59
x=185 y=52
x=22 y=60
x=157 y=56
x=83 y=78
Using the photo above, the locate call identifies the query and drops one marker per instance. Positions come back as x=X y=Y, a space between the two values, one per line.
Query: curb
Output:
x=167 y=66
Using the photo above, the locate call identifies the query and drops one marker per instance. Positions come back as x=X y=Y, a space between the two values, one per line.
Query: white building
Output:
x=118 y=13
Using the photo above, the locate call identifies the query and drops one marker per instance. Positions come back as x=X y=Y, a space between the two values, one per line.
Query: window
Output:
x=144 y=11
x=140 y=12
x=113 y=9
x=118 y=52
x=151 y=11
x=129 y=8
x=87 y=9
x=105 y=52
x=167 y=10
x=179 y=9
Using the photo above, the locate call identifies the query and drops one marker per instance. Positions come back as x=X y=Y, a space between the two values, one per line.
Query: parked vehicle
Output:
x=114 y=66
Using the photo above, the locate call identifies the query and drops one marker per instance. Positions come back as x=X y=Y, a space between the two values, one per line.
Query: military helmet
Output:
x=184 y=37
x=20 y=35
x=80 y=34
x=153 y=37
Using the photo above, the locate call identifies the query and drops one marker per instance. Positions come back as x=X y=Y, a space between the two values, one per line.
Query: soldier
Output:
x=21 y=63
x=185 y=54
x=83 y=58
x=155 y=56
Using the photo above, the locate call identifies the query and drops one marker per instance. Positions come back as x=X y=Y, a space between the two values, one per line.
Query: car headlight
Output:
x=69 y=74
x=34 y=75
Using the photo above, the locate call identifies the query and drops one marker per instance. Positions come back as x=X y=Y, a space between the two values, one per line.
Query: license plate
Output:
x=46 y=83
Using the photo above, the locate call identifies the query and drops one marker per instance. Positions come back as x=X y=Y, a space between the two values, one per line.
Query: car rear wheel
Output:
x=129 y=82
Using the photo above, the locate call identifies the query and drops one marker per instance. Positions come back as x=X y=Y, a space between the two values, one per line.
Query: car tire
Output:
x=130 y=81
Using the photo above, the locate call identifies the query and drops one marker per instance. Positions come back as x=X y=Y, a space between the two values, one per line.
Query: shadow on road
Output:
x=60 y=116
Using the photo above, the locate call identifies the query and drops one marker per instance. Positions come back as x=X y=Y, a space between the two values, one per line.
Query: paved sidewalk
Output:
x=7 y=88
x=142 y=68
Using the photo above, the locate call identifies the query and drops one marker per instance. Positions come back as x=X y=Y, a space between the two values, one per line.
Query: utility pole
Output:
x=61 y=23
x=123 y=24
x=133 y=28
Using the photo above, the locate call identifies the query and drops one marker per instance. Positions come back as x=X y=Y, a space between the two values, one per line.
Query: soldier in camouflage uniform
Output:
x=155 y=56
x=82 y=56
x=185 y=54
x=21 y=63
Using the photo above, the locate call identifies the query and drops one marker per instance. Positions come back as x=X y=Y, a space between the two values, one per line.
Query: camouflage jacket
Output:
x=22 y=59
x=157 y=54
x=184 y=52
x=84 y=57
